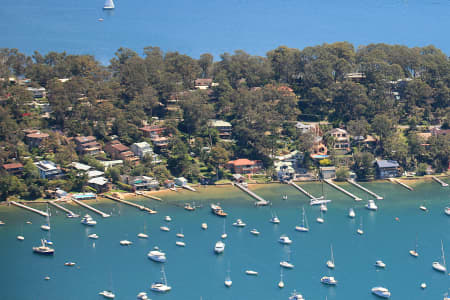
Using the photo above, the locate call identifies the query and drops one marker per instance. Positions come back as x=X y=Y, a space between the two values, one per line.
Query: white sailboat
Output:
x=161 y=286
x=414 y=251
x=304 y=227
x=46 y=226
x=287 y=263
x=224 y=234
x=228 y=281
x=351 y=213
x=281 y=283
x=320 y=219
x=330 y=263
x=438 y=266
x=109 y=4
x=360 y=229
x=143 y=235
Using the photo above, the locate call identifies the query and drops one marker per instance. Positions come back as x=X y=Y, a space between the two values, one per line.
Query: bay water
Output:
x=195 y=272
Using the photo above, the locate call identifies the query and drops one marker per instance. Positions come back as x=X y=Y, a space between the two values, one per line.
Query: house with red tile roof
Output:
x=244 y=166
x=13 y=168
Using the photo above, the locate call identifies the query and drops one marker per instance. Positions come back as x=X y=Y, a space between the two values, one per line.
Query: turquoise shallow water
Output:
x=195 y=271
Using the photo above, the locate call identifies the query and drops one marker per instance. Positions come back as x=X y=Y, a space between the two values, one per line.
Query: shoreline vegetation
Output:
x=156 y=119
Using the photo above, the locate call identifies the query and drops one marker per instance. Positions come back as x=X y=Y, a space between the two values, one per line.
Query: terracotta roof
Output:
x=84 y=139
x=12 y=166
x=242 y=162
x=120 y=147
x=203 y=81
x=37 y=135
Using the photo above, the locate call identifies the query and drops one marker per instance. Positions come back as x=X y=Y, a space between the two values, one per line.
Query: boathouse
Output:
x=387 y=169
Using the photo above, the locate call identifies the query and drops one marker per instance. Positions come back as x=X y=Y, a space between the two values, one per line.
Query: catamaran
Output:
x=43 y=249
x=109 y=4
x=304 y=227
x=438 y=266
x=330 y=263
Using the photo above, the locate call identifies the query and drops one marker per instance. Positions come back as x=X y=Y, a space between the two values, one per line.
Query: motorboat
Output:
x=381 y=292
x=219 y=247
x=2 y=223
x=157 y=255
x=447 y=210
x=93 y=236
x=423 y=207
x=20 y=238
x=254 y=232
x=43 y=249
x=423 y=285
x=142 y=235
x=446 y=297
x=330 y=280
x=380 y=264
x=126 y=243
x=251 y=272
x=371 y=205
x=239 y=223
x=107 y=294
x=167 y=218
x=142 y=296
x=69 y=264
x=217 y=210
x=330 y=262
x=87 y=220
x=164 y=228
x=440 y=266
x=47 y=277
x=284 y=239
x=161 y=286
x=189 y=207
x=304 y=227
x=323 y=207
x=286 y=264
x=351 y=213
x=27 y=222
x=109 y=4
x=204 y=226
x=274 y=219
x=46 y=226
x=296 y=296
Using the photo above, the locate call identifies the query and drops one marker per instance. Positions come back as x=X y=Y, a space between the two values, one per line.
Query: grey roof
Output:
x=387 y=164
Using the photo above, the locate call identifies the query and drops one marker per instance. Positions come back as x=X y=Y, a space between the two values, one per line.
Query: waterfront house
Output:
x=141 y=182
x=36 y=138
x=48 y=170
x=341 y=140
x=224 y=128
x=244 y=166
x=181 y=181
x=87 y=145
x=328 y=172
x=100 y=184
x=285 y=170
x=13 y=168
x=387 y=169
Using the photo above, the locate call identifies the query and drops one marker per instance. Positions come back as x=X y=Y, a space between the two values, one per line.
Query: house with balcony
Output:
x=117 y=150
x=36 y=138
x=144 y=149
x=244 y=166
x=87 y=145
x=341 y=140
x=387 y=169
x=152 y=130
x=48 y=170
x=13 y=168
x=141 y=182
x=224 y=128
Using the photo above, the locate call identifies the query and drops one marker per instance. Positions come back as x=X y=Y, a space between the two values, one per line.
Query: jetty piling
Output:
x=260 y=201
x=342 y=189
x=40 y=212
x=141 y=207
x=63 y=208
x=364 y=189
x=104 y=215
x=401 y=183
x=301 y=189
x=439 y=181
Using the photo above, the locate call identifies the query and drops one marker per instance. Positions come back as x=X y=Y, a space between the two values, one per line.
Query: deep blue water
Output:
x=196 y=27
x=195 y=271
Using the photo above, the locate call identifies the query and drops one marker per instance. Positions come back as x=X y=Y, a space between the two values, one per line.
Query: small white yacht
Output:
x=351 y=213
x=274 y=219
x=438 y=266
x=87 y=220
x=323 y=207
x=219 y=247
x=254 y=231
x=142 y=235
x=164 y=228
x=447 y=210
x=296 y=296
x=320 y=219
x=228 y=281
x=180 y=235
x=180 y=244
x=318 y=201
x=167 y=218
x=304 y=227
x=93 y=236
x=286 y=264
x=157 y=255
x=43 y=249
x=414 y=251
x=107 y=294
x=204 y=226
x=251 y=272
x=360 y=229
x=161 y=286
x=224 y=234
x=284 y=239
x=330 y=262
x=20 y=238
x=69 y=264
x=330 y=280
x=45 y=227
x=109 y=4
x=371 y=205
x=2 y=223
x=381 y=292
x=239 y=223
x=142 y=296
x=423 y=285
x=423 y=207
x=281 y=282
x=285 y=197
x=125 y=242
x=380 y=264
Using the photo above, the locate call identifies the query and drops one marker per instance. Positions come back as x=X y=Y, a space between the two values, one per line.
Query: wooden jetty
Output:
x=342 y=189
x=63 y=209
x=364 y=189
x=148 y=196
x=301 y=189
x=40 y=212
x=260 y=201
x=189 y=188
x=141 y=207
x=439 y=181
x=401 y=183
x=104 y=215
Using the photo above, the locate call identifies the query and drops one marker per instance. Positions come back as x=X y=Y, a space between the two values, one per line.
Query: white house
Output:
x=181 y=181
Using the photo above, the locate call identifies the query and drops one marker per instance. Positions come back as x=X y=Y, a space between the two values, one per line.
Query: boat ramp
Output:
x=342 y=190
x=439 y=181
x=401 y=183
x=104 y=215
x=40 y=212
x=301 y=189
x=260 y=201
x=141 y=207
x=63 y=209
x=364 y=189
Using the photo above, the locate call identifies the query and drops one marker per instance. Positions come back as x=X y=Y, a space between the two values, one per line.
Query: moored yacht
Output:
x=239 y=223
x=167 y=218
x=447 y=210
x=217 y=210
x=43 y=249
x=304 y=227
x=161 y=286
x=286 y=263
x=274 y=219
x=371 y=205
x=330 y=263
x=2 y=223
x=251 y=272
x=380 y=264
x=157 y=255
x=180 y=244
x=142 y=296
x=414 y=251
x=142 y=235
x=219 y=247
x=320 y=219
x=323 y=207
x=109 y=4
x=254 y=231
x=107 y=294
x=423 y=207
x=296 y=296
x=189 y=207
x=204 y=226
x=381 y=292
x=330 y=280
x=69 y=264
x=438 y=266
x=284 y=239
x=125 y=242
x=87 y=220
x=20 y=238
x=351 y=213
x=93 y=236
x=164 y=228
